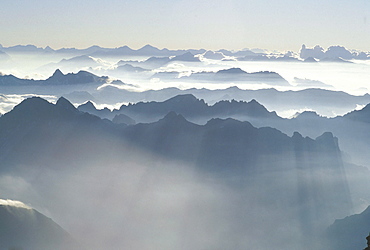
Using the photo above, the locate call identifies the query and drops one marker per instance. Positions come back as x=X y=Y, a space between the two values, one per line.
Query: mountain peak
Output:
x=231 y=71
x=254 y=102
x=297 y=135
x=148 y=46
x=64 y=103
x=307 y=114
x=183 y=98
x=173 y=116
x=362 y=115
x=186 y=57
x=328 y=140
x=326 y=136
x=57 y=73
x=88 y=104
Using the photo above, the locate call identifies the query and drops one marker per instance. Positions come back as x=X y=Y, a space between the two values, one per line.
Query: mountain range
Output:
x=351 y=128
x=98 y=51
x=187 y=105
x=55 y=146
x=154 y=62
x=325 y=102
x=58 y=78
x=333 y=53
x=146 y=51
x=227 y=75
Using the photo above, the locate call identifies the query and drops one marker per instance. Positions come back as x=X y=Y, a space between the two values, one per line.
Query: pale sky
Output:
x=210 y=24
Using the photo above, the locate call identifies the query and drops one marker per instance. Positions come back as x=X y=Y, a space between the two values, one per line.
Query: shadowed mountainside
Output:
x=53 y=146
x=26 y=228
x=349 y=232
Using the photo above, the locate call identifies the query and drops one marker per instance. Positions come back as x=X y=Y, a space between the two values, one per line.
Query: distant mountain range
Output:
x=58 y=78
x=333 y=52
x=227 y=75
x=154 y=62
x=322 y=101
x=188 y=106
x=74 y=64
x=98 y=51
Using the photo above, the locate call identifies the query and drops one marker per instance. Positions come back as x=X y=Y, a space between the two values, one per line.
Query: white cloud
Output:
x=14 y=203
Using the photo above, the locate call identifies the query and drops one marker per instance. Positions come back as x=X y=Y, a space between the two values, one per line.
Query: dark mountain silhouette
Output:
x=82 y=77
x=26 y=228
x=325 y=102
x=187 y=105
x=38 y=111
x=352 y=128
x=232 y=74
x=90 y=108
x=368 y=242
x=12 y=80
x=350 y=232
x=38 y=137
x=362 y=115
x=240 y=75
x=58 y=78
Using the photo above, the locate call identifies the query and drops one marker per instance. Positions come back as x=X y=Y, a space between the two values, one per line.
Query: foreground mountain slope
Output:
x=349 y=232
x=25 y=228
